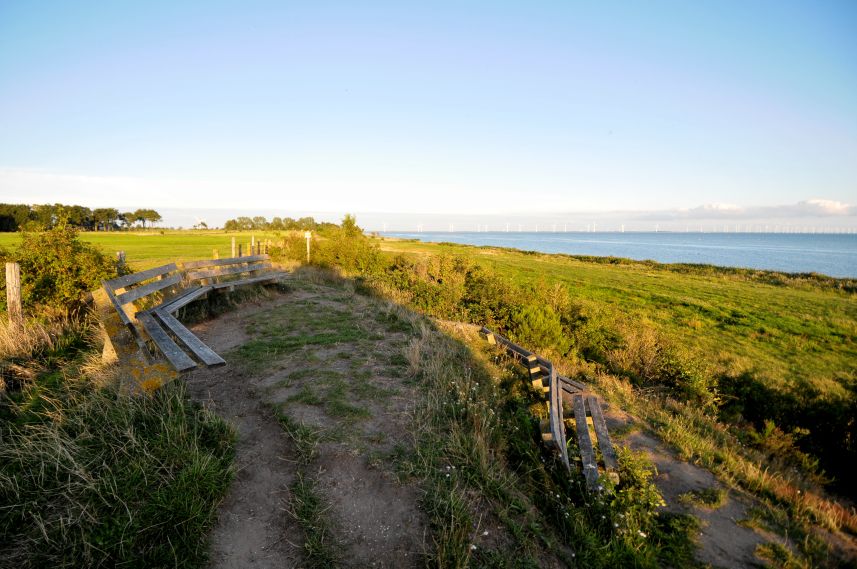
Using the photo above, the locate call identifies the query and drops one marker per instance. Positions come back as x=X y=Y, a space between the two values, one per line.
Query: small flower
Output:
x=472 y=547
x=641 y=534
x=485 y=532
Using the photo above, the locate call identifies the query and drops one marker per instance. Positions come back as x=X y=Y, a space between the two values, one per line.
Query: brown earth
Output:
x=375 y=519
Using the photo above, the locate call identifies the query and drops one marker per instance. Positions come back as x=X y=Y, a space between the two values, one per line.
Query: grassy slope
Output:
x=792 y=334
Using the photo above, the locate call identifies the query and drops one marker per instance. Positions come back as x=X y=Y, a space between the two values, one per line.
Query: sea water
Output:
x=829 y=254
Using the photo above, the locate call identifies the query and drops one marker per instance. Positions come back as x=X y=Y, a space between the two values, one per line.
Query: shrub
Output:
x=346 y=247
x=57 y=269
x=537 y=325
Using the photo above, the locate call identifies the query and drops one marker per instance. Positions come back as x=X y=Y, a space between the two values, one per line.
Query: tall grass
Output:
x=477 y=454
x=91 y=479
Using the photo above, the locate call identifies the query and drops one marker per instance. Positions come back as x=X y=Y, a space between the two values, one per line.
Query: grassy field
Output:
x=145 y=249
x=800 y=334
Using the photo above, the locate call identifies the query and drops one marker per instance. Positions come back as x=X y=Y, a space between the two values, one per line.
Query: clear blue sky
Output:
x=437 y=107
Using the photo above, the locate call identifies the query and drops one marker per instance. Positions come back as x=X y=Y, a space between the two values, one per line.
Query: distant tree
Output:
x=231 y=225
x=13 y=216
x=153 y=216
x=260 y=223
x=277 y=224
x=104 y=217
x=127 y=218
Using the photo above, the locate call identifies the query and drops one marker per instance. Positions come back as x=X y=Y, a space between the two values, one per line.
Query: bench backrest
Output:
x=123 y=291
x=222 y=270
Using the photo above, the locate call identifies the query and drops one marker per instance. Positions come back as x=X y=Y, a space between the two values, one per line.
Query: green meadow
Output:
x=151 y=248
x=802 y=332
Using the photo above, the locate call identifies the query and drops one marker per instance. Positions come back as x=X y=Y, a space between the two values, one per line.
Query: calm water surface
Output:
x=829 y=254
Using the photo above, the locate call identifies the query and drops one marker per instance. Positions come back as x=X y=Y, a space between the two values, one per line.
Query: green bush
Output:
x=57 y=269
x=347 y=248
x=538 y=326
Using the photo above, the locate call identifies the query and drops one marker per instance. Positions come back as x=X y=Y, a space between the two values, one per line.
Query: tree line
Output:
x=260 y=223
x=14 y=217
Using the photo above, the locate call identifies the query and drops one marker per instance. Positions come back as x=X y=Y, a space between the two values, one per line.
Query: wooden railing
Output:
x=556 y=388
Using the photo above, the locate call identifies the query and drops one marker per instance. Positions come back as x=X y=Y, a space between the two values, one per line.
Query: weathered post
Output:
x=252 y=243
x=233 y=247
x=239 y=249
x=13 y=293
x=308 y=236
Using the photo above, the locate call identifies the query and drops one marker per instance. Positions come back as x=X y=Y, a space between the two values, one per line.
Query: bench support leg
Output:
x=135 y=374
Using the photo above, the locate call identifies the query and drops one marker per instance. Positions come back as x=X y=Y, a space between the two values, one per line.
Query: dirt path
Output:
x=327 y=362
x=723 y=542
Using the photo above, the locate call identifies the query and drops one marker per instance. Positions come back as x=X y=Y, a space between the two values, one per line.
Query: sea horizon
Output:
x=831 y=254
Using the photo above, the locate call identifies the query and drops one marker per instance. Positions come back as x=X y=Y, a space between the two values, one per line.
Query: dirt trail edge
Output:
x=316 y=387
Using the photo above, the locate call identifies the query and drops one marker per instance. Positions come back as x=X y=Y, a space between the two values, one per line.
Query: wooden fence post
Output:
x=233 y=247
x=13 y=293
x=239 y=249
x=308 y=235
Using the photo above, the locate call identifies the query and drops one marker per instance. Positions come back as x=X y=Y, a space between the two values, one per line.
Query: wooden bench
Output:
x=232 y=272
x=147 y=302
x=558 y=389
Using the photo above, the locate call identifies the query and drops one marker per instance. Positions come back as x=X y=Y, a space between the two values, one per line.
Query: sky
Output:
x=662 y=109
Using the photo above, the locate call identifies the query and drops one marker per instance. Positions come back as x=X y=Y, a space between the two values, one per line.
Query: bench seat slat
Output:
x=607 y=452
x=186 y=297
x=196 y=275
x=557 y=423
x=127 y=280
x=176 y=356
x=189 y=339
x=587 y=455
x=154 y=286
x=219 y=262
x=260 y=279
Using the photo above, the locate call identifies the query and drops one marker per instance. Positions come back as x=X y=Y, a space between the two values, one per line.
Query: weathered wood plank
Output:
x=220 y=262
x=261 y=279
x=185 y=298
x=200 y=350
x=587 y=455
x=523 y=353
x=147 y=289
x=174 y=354
x=601 y=433
x=122 y=314
x=558 y=426
x=197 y=275
x=127 y=280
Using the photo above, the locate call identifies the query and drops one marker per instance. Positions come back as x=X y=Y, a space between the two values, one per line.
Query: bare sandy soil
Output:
x=375 y=519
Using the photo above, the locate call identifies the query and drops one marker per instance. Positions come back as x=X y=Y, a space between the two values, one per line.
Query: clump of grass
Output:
x=91 y=479
x=35 y=345
x=307 y=507
x=307 y=396
x=712 y=498
x=306 y=439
